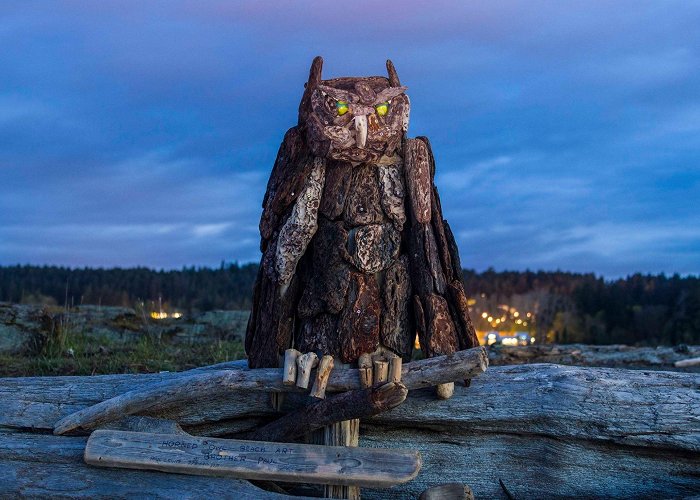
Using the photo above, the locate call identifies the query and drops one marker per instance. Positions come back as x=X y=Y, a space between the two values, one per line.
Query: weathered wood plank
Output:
x=220 y=384
x=256 y=460
x=45 y=466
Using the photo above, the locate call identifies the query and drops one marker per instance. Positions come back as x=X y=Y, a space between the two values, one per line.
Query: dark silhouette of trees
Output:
x=570 y=307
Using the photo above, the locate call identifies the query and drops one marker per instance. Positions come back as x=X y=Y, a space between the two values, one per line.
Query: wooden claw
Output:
x=395 y=365
x=365 y=368
x=290 y=366
x=305 y=363
x=445 y=391
x=324 y=371
x=381 y=371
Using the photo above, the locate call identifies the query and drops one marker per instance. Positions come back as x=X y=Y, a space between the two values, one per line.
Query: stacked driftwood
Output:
x=613 y=356
x=544 y=430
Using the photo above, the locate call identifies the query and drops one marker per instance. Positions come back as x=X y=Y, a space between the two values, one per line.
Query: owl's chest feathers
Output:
x=369 y=201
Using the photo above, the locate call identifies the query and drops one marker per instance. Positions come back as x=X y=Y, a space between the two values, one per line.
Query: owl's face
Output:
x=354 y=119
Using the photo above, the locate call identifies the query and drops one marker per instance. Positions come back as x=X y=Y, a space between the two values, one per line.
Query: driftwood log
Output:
x=612 y=356
x=189 y=388
x=545 y=430
x=357 y=404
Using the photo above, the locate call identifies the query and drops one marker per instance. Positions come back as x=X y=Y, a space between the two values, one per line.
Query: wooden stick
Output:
x=261 y=460
x=381 y=371
x=158 y=397
x=305 y=363
x=449 y=491
x=365 y=368
x=687 y=362
x=324 y=371
x=445 y=391
x=359 y=403
x=290 y=366
x=395 y=364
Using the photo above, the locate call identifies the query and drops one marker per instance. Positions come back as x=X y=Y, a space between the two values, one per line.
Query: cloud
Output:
x=144 y=132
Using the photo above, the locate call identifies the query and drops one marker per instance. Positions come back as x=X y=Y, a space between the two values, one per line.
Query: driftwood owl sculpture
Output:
x=357 y=257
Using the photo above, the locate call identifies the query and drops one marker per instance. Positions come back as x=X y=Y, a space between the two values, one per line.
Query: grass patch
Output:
x=70 y=352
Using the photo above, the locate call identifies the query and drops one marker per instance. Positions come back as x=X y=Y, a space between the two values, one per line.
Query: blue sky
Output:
x=566 y=134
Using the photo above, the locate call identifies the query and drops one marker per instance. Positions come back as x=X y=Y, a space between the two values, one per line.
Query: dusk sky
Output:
x=566 y=134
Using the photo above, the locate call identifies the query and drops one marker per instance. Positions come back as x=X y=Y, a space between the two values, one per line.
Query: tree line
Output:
x=567 y=307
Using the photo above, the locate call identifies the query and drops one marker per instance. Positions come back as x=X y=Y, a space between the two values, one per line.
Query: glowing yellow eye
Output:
x=382 y=108
x=341 y=107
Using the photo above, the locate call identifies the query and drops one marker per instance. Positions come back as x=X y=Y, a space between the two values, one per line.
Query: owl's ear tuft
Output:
x=315 y=72
x=393 y=77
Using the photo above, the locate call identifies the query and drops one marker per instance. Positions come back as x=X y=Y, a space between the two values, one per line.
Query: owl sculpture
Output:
x=357 y=258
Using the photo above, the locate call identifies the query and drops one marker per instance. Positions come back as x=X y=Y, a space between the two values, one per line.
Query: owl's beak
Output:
x=360 y=130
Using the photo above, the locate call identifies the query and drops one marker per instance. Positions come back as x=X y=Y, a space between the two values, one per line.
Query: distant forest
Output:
x=565 y=307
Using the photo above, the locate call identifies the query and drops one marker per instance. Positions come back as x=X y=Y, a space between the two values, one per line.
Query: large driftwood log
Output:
x=424 y=373
x=546 y=430
x=613 y=356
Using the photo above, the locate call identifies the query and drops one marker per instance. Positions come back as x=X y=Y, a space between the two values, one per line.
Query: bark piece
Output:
x=426 y=271
x=359 y=323
x=454 y=251
x=441 y=335
x=298 y=230
x=393 y=192
x=466 y=333
x=290 y=366
x=324 y=371
x=442 y=244
x=335 y=190
x=319 y=334
x=381 y=371
x=374 y=247
x=418 y=179
x=271 y=321
x=289 y=174
x=396 y=328
x=305 y=363
x=363 y=205
x=330 y=272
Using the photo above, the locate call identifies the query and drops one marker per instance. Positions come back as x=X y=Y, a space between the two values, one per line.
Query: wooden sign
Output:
x=289 y=462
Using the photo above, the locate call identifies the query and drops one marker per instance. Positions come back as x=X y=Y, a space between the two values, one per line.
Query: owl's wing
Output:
x=439 y=302
x=288 y=222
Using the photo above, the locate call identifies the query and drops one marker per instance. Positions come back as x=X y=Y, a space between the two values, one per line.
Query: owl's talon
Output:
x=364 y=363
x=325 y=366
x=381 y=371
x=289 y=372
x=395 y=365
x=305 y=363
